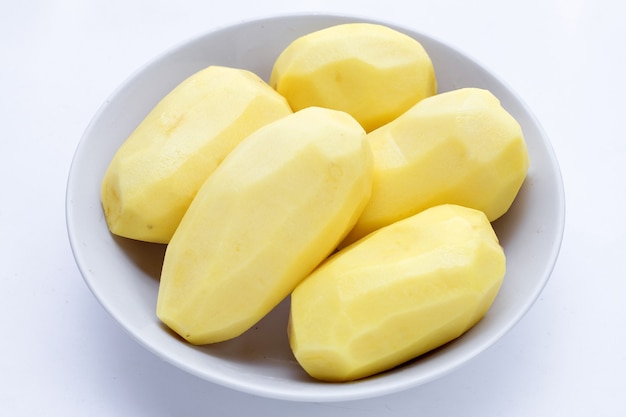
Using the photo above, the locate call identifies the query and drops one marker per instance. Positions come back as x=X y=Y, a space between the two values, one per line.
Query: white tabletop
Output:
x=62 y=354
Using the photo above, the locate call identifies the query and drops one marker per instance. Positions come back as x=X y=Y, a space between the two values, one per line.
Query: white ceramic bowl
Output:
x=123 y=274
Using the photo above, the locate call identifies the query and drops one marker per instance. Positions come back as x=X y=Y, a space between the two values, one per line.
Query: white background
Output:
x=62 y=354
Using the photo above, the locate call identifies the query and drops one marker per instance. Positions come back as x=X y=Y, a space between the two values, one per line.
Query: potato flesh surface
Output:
x=459 y=147
x=275 y=208
x=396 y=294
x=157 y=171
x=372 y=72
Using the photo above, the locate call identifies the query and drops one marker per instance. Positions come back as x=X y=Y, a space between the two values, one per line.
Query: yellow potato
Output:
x=396 y=294
x=370 y=71
x=269 y=214
x=157 y=171
x=460 y=147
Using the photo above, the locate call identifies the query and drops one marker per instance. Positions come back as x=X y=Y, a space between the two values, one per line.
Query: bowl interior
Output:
x=123 y=275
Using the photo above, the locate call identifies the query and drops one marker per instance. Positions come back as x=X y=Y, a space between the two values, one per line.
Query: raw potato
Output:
x=269 y=214
x=396 y=294
x=370 y=71
x=460 y=147
x=157 y=171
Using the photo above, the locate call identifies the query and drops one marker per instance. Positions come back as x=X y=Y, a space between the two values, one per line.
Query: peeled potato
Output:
x=158 y=169
x=269 y=214
x=459 y=147
x=370 y=71
x=398 y=293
